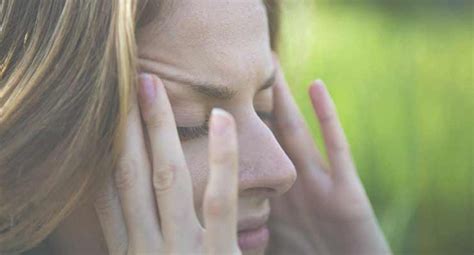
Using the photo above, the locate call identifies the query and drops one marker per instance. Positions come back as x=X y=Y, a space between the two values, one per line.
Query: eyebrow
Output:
x=213 y=90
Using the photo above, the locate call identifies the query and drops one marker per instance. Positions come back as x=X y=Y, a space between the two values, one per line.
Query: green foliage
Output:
x=403 y=85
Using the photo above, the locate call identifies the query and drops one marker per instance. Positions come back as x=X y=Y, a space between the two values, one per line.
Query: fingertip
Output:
x=319 y=82
x=220 y=113
x=223 y=144
x=316 y=87
x=146 y=79
x=143 y=76
x=221 y=121
x=319 y=92
x=147 y=87
x=157 y=81
x=321 y=100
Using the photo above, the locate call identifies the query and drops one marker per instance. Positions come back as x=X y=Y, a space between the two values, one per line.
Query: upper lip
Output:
x=252 y=223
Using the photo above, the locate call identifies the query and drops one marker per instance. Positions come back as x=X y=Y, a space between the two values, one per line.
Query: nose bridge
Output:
x=263 y=163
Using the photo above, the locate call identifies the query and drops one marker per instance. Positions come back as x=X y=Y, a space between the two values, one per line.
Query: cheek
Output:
x=196 y=154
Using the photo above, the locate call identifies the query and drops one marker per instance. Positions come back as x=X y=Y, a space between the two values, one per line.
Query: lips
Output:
x=253 y=233
x=253 y=223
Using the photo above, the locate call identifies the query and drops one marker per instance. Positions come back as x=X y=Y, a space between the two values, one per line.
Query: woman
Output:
x=91 y=164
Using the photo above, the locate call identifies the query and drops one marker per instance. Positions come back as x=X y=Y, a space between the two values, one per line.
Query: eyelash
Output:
x=189 y=133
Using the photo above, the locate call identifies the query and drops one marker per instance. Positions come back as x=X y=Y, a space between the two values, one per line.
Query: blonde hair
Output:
x=67 y=70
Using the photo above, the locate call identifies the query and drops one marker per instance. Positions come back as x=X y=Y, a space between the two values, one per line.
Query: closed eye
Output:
x=190 y=133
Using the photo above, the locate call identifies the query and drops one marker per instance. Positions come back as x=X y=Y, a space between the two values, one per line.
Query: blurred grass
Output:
x=403 y=84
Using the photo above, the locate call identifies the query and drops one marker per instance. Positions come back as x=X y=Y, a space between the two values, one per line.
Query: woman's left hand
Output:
x=327 y=210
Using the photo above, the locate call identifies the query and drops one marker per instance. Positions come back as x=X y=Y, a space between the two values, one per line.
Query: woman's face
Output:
x=214 y=53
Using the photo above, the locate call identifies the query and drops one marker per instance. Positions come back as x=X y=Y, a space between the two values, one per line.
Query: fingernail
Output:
x=319 y=82
x=316 y=87
x=147 y=90
x=220 y=121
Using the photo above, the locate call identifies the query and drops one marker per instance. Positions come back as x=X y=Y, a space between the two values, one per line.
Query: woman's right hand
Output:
x=147 y=207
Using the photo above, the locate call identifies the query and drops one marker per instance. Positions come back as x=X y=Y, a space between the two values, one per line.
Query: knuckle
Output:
x=152 y=249
x=126 y=175
x=339 y=146
x=218 y=206
x=217 y=163
x=120 y=248
x=105 y=202
x=163 y=177
x=225 y=156
x=155 y=119
x=171 y=244
x=197 y=237
x=294 y=125
x=328 y=117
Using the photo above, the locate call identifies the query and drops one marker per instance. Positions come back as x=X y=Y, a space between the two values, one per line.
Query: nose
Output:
x=265 y=169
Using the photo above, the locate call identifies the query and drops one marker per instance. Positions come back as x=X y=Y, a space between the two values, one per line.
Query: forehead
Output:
x=225 y=42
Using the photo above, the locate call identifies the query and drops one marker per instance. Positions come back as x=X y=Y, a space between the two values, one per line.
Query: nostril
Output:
x=263 y=192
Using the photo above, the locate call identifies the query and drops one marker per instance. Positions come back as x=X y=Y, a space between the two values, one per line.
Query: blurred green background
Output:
x=401 y=74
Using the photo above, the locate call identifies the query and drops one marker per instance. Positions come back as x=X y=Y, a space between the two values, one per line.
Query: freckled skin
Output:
x=227 y=43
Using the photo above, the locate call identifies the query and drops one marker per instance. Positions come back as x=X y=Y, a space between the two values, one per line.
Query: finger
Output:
x=109 y=211
x=335 y=140
x=292 y=131
x=220 y=199
x=133 y=181
x=171 y=180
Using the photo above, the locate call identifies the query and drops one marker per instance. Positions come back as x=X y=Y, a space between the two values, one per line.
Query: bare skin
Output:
x=327 y=210
x=146 y=210
x=176 y=230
